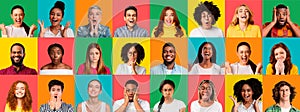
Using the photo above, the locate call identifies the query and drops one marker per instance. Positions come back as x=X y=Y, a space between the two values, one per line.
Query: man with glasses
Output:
x=131 y=102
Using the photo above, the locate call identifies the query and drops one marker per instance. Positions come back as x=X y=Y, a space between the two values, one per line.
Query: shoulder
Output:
x=194 y=103
x=216 y=66
x=120 y=101
x=65 y=66
x=255 y=27
x=294 y=66
x=270 y=65
x=178 y=102
x=66 y=105
x=47 y=66
x=141 y=101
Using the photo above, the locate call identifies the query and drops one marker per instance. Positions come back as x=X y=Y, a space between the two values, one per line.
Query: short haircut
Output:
x=56 y=45
x=281 y=6
x=168 y=44
x=132 y=82
x=56 y=82
x=276 y=90
x=94 y=7
x=130 y=8
x=17 y=44
x=138 y=47
x=208 y=7
x=255 y=85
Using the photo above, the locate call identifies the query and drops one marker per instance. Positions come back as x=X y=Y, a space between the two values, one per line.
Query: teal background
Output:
x=81 y=88
x=180 y=7
x=181 y=88
x=268 y=43
x=81 y=45
x=30 y=10
x=268 y=6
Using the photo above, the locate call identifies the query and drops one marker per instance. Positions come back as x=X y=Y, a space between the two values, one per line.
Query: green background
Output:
x=30 y=10
x=81 y=45
x=180 y=92
x=157 y=5
x=268 y=6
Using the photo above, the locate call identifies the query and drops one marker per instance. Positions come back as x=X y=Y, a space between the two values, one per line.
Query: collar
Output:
x=292 y=107
x=134 y=27
x=237 y=27
x=165 y=67
x=13 y=68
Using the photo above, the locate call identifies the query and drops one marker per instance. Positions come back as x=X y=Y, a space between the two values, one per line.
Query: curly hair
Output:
x=212 y=87
x=276 y=91
x=12 y=99
x=100 y=65
x=138 y=47
x=208 y=7
x=287 y=62
x=235 y=20
x=255 y=85
x=159 y=29
x=199 y=57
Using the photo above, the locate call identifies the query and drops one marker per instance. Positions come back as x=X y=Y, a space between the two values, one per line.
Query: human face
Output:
x=207 y=52
x=56 y=17
x=95 y=16
x=56 y=55
x=94 y=89
x=247 y=93
x=130 y=18
x=243 y=14
x=167 y=91
x=205 y=91
x=243 y=54
x=130 y=91
x=20 y=90
x=285 y=93
x=17 y=55
x=55 y=91
x=94 y=54
x=280 y=54
x=132 y=54
x=206 y=20
x=281 y=15
x=169 y=18
x=17 y=16
x=169 y=54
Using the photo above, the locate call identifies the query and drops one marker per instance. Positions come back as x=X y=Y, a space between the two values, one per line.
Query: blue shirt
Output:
x=136 y=32
x=162 y=69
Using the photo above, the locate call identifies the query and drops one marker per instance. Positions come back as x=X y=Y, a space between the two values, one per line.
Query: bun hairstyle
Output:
x=60 y=5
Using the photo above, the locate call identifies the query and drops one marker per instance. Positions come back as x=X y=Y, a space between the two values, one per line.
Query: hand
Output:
x=33 y=27
x=42 y=28
x=126 y=99
x=64 y=31
x=135 y=97
x=274 y=15
x=236 y=104
x=258 y=68
x=52 y=102
x=256 y=106
x=96 y=27
x=2 y=27
x=288 y=17
x=279 y=67
x=227 y=68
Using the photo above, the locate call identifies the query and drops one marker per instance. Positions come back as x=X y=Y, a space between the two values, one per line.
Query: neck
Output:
x=247 y=102
x=16 y=25
x=206 y=63
x=284 y=104
x=168 y=100
x=170 y=66
x=130 y=28
x=17 y=67
x=19 y=102
x=93 y=100
x=55 y=27
x=205 y=102
x=94 y=65
x=206 y=27
x=243 y=26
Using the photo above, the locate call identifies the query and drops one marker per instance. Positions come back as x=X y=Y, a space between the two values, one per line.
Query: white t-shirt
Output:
x=213 y=70
x=242 y=108
x=48 y=32
x=12 y=31
x=175 y=106
x=237 y=68
x=213 y=32
x=124 y=69
x=102 y=107
x=56 y=72
x=130 y=107
x=215 y=107
x=285 y=109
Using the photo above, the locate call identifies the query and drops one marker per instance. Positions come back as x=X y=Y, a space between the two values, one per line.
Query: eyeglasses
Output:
x=132 y=53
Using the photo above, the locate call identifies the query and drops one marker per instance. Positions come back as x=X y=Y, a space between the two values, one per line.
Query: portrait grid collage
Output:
x=149 y=55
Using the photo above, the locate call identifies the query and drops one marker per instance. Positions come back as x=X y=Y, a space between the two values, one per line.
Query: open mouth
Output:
x=131 y=21
x=207 y=54
x=17 y=21
x=169 y=57
x=244 y=59
x=244 y=17
x=54 y=20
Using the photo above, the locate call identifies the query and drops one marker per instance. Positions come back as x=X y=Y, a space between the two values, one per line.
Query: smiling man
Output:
x=169 y=66
x=282 y=25
x=17 y=54
x=131 y=29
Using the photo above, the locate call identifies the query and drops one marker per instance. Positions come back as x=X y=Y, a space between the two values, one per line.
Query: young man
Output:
x=131 y=29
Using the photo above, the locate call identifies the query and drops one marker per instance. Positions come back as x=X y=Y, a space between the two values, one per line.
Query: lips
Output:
x=131 y=21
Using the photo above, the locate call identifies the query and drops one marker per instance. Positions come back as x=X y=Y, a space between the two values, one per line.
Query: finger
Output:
x=259 y=98
x=68 y=24
x=231 y=98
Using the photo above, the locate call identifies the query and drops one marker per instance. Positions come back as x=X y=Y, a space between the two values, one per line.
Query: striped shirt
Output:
x=285 y=31
x=136 y=32
x=64 y=108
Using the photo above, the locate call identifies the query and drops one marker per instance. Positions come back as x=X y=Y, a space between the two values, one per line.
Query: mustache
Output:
x=18 y=64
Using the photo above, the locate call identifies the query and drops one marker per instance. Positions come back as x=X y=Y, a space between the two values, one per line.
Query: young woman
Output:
x=93 y=104
x=205 y=62
x=56 y=53
x=242 y=24
x=56 y=29
x=132 y=55
x=167 y=103
x=19 y=98
x=94 y=28
x=281 y=62
x=248 y=93
x=245 y=65
x=19 y=28
x=169 y=25
x=93 y=63
x=206 y=98
x=206 y=15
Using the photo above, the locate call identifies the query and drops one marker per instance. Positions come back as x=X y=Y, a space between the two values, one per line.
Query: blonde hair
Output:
x=235 y=19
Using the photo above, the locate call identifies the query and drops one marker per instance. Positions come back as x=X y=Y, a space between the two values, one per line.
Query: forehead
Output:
x=246 y=86
x=281 y=10
x=95 y=10
x=130 y=86
x=242 y=8
x=16 y=48
x=205 y=85
x=169 y=48
x=55 y=48
x=20 y=85
x=132 y=48
x=94 y=83
x=167 y=86
x=279 y=49
x=169 y=11
x=56 y=87
x=285 y=87
x=94 y=50
x=17 y=10
x=207 y=45
x=243 y=47
x=57 y=10
x=130 y=11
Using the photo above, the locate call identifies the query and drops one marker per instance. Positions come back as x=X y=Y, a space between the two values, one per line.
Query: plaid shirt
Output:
x=285 y=31
x=276 y=108
x=64 y=108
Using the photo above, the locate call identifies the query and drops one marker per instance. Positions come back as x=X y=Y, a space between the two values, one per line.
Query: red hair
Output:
x=12 y=99
x=287 y=62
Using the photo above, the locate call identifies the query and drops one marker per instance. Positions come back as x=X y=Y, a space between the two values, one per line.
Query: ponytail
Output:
x=26 y=27
x=252 y=65
x=162 y=100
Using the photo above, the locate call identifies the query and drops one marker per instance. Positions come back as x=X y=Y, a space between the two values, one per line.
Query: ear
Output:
x=124 y=18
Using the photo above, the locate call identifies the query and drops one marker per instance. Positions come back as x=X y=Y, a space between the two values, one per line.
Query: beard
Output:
x=17 y=64
x=169 y=62
x=278 y=25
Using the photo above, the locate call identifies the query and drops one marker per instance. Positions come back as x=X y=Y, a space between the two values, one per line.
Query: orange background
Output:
x=180 y=47
x=255 y=44
x=269 y=83
x=82 y=7
x=43 y=92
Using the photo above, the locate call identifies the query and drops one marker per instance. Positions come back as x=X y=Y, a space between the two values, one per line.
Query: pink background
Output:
x=7 y=80
x=254 y=5
x=143 y=11
x=194 y=81
x=119 y=83
x=44 y=43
